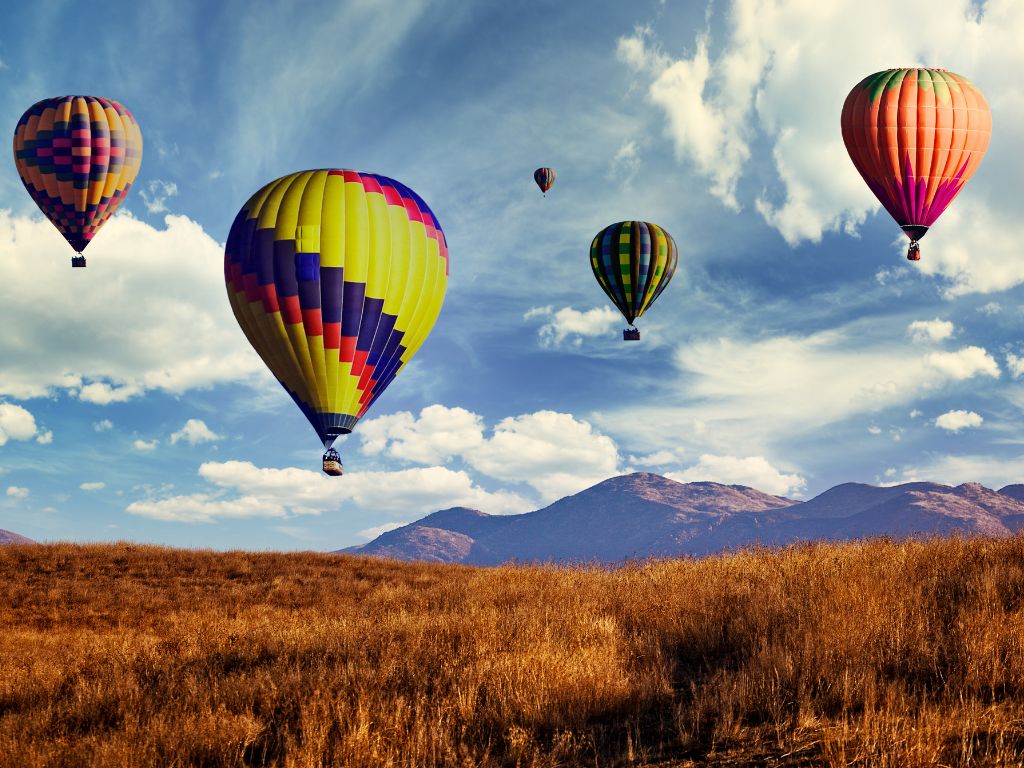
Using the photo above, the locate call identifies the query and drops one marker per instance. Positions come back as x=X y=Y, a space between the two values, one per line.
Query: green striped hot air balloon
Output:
x=633 y=262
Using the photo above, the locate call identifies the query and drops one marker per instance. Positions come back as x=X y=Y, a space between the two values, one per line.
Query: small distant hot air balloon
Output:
x=916 y=136
x=336 y=277
x=78 y=157
x=545 y=178
x=633 y=261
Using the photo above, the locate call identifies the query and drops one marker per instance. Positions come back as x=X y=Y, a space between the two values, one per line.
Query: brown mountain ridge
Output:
x=646 y=515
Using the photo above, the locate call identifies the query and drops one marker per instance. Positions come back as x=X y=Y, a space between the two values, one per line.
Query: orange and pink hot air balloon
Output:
x=916 y=136
x=78 y=157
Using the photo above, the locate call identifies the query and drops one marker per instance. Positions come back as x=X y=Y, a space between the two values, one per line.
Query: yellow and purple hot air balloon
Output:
x=916 y=136
x=633 y=262
x=545 y=178
x=336 y=277
x=78 y=157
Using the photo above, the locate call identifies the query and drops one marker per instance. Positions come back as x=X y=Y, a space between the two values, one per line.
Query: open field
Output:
x=888 y=654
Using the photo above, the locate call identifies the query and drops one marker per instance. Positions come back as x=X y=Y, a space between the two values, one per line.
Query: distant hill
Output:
x=7 y=537
x=643 y=515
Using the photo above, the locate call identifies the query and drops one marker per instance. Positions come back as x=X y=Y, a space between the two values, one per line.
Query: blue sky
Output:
x=795 y=349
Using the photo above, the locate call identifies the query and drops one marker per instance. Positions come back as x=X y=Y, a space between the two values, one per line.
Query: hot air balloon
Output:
x=633 y=261
x=916 y=136
x=545 y=178
x=78 y=157
x=336 y=277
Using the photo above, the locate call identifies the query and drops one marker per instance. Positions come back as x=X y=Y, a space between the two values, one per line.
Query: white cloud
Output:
x=625 y=162
x=1015 y=365
x=915 y=413
x=126 y=334
x=754 y=86
x=754 y=471
x=954 y=421
x=875 y=430
x=17 y=492
x=438 y=434
x=707 y=132
x=990 y=471
x=103 y=425
x=751 y=394
x=656 y=459
x=555 y=453
x=145 y=445
x=45 y=438
x=368 y=534
x=930 y=330
x=990 y=309
x=244 y=490
x=156 y=193
x=93 y=486
x=572 y=324
x=194 y=432
x=15 y=422
x=965 y=363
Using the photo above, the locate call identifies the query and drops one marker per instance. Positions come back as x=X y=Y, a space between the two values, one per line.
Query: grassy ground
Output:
x=887 y=654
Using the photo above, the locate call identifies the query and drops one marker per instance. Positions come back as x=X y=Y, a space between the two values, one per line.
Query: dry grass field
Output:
x=880 y=653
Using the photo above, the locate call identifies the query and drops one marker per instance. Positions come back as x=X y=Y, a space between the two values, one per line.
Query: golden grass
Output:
x=878 y=653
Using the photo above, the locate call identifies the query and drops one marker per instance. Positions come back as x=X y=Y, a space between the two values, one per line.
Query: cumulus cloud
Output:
x=436 y=435
x=15 y=423
x=93 y=486
x=243 y=490
x=965 y=363
x=194 y=432
x=954 y=421
x=752 y=85
x=17 y=492
x=930 y=330
x=145 y=445
x=754 y=471
x=555 y=453
x=126 y=335
x=103 y=425
x=45 y=438
x=573 y=325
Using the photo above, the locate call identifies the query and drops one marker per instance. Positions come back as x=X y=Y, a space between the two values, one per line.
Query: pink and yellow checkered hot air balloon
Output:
x=916 y=136
x=336 y=277
x=78 y=157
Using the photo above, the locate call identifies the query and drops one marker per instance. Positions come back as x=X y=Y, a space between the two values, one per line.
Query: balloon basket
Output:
x=78 y=261
x=631 y=334
x=332 y=463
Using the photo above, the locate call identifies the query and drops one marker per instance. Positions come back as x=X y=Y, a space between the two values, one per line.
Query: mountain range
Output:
x=7 y=537
x=646 y=515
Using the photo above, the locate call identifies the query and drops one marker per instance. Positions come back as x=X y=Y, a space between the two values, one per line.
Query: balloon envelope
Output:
x=78 y=157
x=545 y=178
x=336 y=277
x=633 y=262
x=916 y=136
